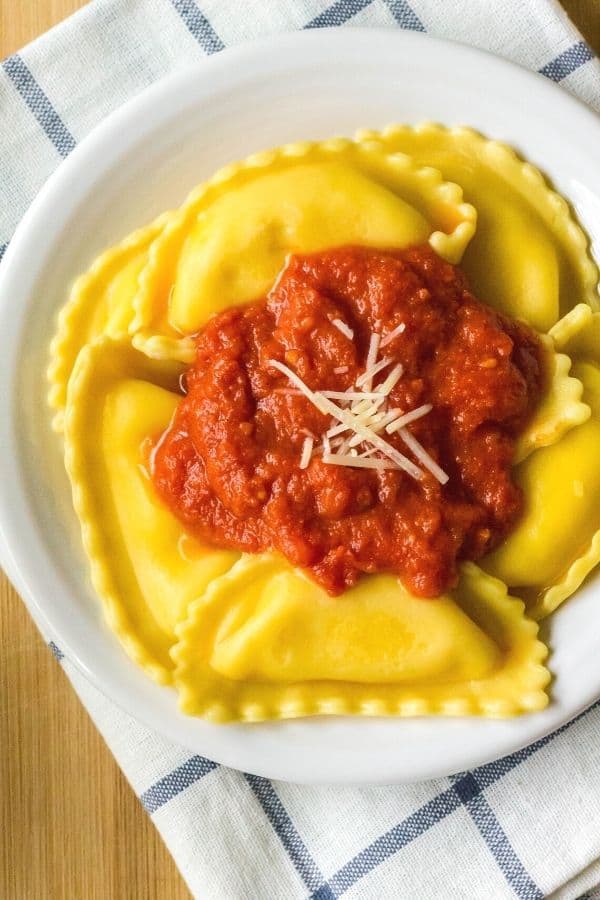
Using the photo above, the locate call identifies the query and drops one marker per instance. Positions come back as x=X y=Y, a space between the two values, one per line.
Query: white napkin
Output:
x=525 y=826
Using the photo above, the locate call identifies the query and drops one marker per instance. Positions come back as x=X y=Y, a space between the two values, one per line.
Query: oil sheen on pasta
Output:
x=229 y=464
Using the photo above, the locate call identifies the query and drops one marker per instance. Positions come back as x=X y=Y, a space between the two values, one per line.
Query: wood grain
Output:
x=586 y=15
x=70 y=825
x=23 y=20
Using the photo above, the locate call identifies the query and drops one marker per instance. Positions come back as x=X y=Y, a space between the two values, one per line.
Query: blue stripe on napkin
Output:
x=405 y=15
x=287 y=833
x=502 y=850
x=391 y=842
x=470 y=790
x=567 y=62
x=338 y=13
x=466 y=790
x=195 y=768
x=56 y=651
x=199 y=26
x=38 y=103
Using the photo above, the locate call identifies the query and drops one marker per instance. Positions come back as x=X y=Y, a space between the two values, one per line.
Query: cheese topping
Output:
x=307 y=449
x=392 y=335
x=345 y=329
x=364 y=419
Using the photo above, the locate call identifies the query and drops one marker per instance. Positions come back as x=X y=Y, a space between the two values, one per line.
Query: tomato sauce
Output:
x=229 y=464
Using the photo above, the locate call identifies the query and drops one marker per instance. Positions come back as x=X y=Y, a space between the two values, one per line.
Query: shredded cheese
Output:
x=392 y=380
x=286 y=263
x=358 y=462
x=402 y=462
x=363 y=410
x=377 y=423
x=390 y=416
x=340 y=370
x=361 y=407
x=315 y=398
x=335 y=430
x=412 y=416
x=344 y=445
x=423 y=456
x=307 y=449
x=351 y=395
x=356 y=439
x=366 y=379
x=392 y=335
x=371 y=409
x=351 y=421
x=371 y=359
x=345 y=329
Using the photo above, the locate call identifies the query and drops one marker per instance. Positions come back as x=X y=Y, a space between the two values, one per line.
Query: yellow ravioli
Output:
x=230 y=239
x=267 y=642
x=529 y=257
x=250 y=638
x=144 y=566
x=557 y=542
x=100 y=303
x=560 y=408
x=578 y=333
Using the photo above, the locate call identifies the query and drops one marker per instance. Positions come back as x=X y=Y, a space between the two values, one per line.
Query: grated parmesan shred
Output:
x=371 y=359
x=345 y=329
x=366 y=379
x=351 y=395
x=409 y=417
x=358 y=462
x=307 y=449
x=392 y=380
x=423 y=456
x=386 y=418
x=356 y=437
x=351 y=421
x=392 y=335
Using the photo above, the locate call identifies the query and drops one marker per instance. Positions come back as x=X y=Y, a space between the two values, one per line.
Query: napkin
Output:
x=527 y=825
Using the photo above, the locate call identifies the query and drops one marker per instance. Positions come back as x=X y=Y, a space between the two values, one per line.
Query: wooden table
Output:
x=70 y=825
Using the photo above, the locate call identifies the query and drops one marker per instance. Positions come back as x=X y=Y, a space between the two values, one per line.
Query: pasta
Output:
x=251 y=636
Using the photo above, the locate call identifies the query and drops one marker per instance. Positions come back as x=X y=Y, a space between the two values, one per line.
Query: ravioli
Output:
x=561 y=407
x=248 y=637
x=144 y=566
x=229 y=241
x=100 y=303
x=265 y=642
x=557 y=542
x=578 y=333
x=529 y=257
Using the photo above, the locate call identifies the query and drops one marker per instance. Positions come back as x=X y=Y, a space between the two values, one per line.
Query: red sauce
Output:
x=228 y=466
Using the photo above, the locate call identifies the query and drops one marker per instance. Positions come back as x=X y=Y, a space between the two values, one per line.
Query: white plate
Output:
x=143 y=159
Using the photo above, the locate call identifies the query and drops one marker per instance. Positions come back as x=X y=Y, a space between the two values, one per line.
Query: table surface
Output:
x=71 y=825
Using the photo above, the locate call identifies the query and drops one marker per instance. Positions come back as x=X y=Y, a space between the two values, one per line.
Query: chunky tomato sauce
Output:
x=229 y=464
